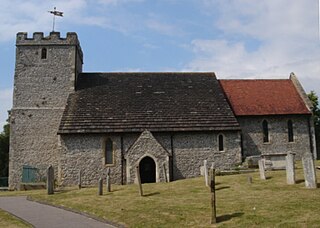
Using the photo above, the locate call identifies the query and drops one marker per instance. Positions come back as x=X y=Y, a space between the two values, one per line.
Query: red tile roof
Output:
x=263 y=97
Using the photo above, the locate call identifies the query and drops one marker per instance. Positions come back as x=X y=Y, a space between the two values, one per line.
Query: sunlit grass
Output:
x=186 y=203
x=8 y=220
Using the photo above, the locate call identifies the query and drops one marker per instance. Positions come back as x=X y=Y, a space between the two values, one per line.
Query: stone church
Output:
x=166 y=124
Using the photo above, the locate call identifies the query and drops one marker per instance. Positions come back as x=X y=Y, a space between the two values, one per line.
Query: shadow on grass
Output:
x=268 y=178
x=223 y=187
x=318 y=185
x=299 y=181
x=227 y=217
x=151 y=194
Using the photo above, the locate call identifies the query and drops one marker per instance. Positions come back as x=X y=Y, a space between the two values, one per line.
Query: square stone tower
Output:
x=45 y=74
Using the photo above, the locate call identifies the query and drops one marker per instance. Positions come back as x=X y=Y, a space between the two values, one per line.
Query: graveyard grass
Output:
x=10 y=221
x=186 y=203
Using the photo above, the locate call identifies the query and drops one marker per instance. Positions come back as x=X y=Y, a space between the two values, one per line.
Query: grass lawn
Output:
x=186 y=203
x=8 y=220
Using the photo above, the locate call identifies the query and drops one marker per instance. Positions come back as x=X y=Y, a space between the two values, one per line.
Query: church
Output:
x=163 y=123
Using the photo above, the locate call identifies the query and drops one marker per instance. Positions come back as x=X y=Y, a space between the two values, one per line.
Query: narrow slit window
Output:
x=290 y=131
x=43 y=53
x=221 y=142
x=109 y=152
x=265 y=130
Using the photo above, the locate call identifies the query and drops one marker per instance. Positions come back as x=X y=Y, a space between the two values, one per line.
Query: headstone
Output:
x=249 y=178
x=309 y=171
x=108 y=181
x=205 y=172
x=139 y=180
x=262 y=170
x=79 y=179
x=213 y=196
x=100 y=187
x=290 y=170
x=50 y=180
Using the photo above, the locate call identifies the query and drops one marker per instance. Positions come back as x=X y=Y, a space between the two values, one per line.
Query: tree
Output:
x=316 y=115
x=4 y=150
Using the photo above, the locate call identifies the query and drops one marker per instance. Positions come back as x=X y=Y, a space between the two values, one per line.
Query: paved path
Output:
x=44 y=216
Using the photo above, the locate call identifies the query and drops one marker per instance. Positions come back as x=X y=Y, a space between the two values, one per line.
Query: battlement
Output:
x=53 y=39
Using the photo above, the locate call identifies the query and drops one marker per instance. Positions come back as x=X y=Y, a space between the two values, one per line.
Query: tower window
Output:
x=221 y=142
x=43 y=53
x=108 y=153
x=290 y=131
x=265 y=131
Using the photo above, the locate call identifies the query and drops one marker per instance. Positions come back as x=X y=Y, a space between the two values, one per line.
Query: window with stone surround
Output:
x=265 y=130
x=290 y=131
x=221 y=142
x=43 y=53
x=108 y=153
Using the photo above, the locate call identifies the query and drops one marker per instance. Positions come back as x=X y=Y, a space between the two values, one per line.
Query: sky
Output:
x=234 y=38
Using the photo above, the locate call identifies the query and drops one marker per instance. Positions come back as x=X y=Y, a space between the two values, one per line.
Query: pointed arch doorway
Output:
x=147 y=168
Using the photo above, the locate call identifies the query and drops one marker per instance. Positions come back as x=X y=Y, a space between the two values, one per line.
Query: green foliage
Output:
x=316 y=111
x=4 y=150
x=316 y=115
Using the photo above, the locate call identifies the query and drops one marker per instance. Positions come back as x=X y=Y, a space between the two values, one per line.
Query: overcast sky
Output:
x=233 y=38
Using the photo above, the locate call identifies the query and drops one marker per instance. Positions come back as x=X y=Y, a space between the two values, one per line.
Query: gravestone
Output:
x=262 y=170
x=100 y=187
x=205 y=170
x=50 y=180
x=309 y=171
x=249 y=179
x=290 y=170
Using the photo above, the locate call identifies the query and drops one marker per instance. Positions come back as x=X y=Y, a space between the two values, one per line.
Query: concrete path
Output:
x=44 y=216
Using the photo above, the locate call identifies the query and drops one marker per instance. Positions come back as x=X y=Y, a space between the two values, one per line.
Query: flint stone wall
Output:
x=252 y=135
x=189 y=150
x=41 y=88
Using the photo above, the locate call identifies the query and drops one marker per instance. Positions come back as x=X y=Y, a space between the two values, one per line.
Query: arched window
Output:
x=108 y=153
x=265 y=131
x=221 y=142
x=43 y=53
x=290 y=131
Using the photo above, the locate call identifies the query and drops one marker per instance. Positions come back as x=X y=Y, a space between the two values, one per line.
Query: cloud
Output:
x=5 y=104
x=261 y=39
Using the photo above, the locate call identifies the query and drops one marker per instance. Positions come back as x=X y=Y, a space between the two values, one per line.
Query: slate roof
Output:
x=263 y=97
x=134 y=102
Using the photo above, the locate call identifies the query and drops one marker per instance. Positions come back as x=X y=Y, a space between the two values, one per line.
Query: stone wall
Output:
x=252 y=135
x=86 y=152
x=41 y=88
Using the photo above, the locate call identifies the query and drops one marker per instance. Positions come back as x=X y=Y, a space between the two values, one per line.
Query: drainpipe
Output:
x=122 y=158
x=172 y=156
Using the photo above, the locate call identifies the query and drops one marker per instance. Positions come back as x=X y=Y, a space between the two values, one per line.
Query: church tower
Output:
x=45 y=74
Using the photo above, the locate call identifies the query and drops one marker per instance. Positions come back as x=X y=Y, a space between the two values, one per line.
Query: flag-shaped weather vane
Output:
x=55 y=13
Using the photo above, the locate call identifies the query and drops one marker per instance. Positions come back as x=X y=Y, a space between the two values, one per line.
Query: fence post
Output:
x=108 y=180
x=79 y=179
x=213 y=196
x=139 y=181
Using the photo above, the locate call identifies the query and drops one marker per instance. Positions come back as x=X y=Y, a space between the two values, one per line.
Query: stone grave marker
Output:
x=50 y=180
x=290 y=169
x=262 y=170
x=309 y=171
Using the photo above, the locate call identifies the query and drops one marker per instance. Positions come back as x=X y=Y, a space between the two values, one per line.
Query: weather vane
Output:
x=55 y=13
